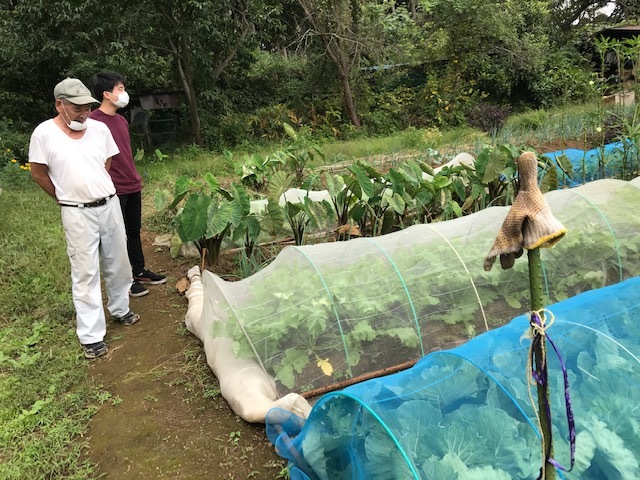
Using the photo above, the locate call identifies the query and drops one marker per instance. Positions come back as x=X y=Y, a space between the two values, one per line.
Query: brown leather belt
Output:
x=97 y=203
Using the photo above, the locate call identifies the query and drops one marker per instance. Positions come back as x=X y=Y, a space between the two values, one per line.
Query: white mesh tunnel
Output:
x=323 y=314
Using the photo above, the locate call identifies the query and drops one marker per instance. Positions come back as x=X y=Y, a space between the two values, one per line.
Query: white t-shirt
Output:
x=76 y=167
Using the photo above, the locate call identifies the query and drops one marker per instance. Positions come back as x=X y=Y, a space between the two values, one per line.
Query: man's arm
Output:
x=107 y=164
x=40 y=174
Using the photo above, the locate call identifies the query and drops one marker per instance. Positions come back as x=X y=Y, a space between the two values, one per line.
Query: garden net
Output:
x=467 y=413
x=619 y=159
x=335 y=313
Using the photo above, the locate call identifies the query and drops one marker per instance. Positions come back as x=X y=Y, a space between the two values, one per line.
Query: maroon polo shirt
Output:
x=123 y=171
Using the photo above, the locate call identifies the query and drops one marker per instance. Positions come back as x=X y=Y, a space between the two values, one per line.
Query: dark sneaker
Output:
x=129 y=319
x=137 y=289
x=95 y=350
x=150 y=278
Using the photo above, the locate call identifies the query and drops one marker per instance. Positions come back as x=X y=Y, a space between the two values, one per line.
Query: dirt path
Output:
x=162 y=415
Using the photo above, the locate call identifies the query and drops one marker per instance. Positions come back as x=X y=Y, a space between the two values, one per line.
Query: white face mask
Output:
x=123 y=100
x=74 y=124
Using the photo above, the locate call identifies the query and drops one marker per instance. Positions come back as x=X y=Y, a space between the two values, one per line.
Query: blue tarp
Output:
x=606 y=162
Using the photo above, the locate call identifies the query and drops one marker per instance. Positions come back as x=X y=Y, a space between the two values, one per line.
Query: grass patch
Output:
x=572 y=122
x=44 y=394
x=412 y=139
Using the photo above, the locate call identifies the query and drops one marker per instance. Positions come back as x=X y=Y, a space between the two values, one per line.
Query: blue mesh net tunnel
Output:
x=466 y=413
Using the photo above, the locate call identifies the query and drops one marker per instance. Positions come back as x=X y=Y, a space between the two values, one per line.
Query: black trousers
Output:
x=131 y=205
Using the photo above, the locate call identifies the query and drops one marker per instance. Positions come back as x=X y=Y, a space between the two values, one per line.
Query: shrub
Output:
x=488 y=117
x=532 y=119
x=12 y=136
x=13 y=173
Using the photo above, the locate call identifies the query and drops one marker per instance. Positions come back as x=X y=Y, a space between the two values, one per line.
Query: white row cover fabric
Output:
x=248 y=389
x=325 y=314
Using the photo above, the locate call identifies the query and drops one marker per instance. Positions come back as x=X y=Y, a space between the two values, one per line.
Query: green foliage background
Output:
x=244 y=67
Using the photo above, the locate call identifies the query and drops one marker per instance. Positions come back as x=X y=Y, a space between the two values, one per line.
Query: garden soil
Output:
x=162 y=415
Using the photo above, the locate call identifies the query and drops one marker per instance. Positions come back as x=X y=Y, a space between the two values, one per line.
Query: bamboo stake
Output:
x=539 y=352
x=530 y=225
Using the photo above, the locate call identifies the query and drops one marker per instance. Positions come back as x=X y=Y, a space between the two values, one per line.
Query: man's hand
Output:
x=40 y=174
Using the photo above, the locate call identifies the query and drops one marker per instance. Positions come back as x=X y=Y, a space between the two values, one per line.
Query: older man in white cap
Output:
x=70 y=156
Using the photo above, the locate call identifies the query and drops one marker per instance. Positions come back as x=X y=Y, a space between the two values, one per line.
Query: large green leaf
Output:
x=182 y=187
x=441 y=181
x=358 y=211
x=290 y=131
x=371 y=171
x=459 y=187
x=193 y=220
x=363 y=180
x=316 y=212
x=424 y=197
x=279 y=183
x=334 y=183
x=183 y=184
x=212 y=182
x=249 y=229
x=565 y=165
x=273 y=219
x=497 y=163
x=478 y=190
x=411 y=173
x=397 y=181
x=241 y=198
x=550 y=180
x=253 y=227
x=426 y=168
x=161 y=199
x=311 y=182
x=395 y=200
x=481 y=161
x=219 y=217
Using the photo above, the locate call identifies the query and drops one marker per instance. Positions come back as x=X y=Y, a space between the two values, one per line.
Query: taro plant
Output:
x=299 y=215
x=208 y=213
x=430 y=198
x=363 y=195
x=300 y=152
x=344 y=196
x=253 y=171
x=492 y=180
x=411 y=173
x=247 y=233
x=383 y=198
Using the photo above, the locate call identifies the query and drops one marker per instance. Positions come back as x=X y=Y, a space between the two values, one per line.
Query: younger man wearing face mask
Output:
x=70 y=156
x=109 y=89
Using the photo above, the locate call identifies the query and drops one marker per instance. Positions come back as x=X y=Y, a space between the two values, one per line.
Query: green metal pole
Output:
x=544 y=406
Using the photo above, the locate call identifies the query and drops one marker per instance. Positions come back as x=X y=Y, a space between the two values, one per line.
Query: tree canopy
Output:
x=332 y=65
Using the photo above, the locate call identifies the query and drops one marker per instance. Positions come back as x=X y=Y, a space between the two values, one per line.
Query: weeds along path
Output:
x=162 y=415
